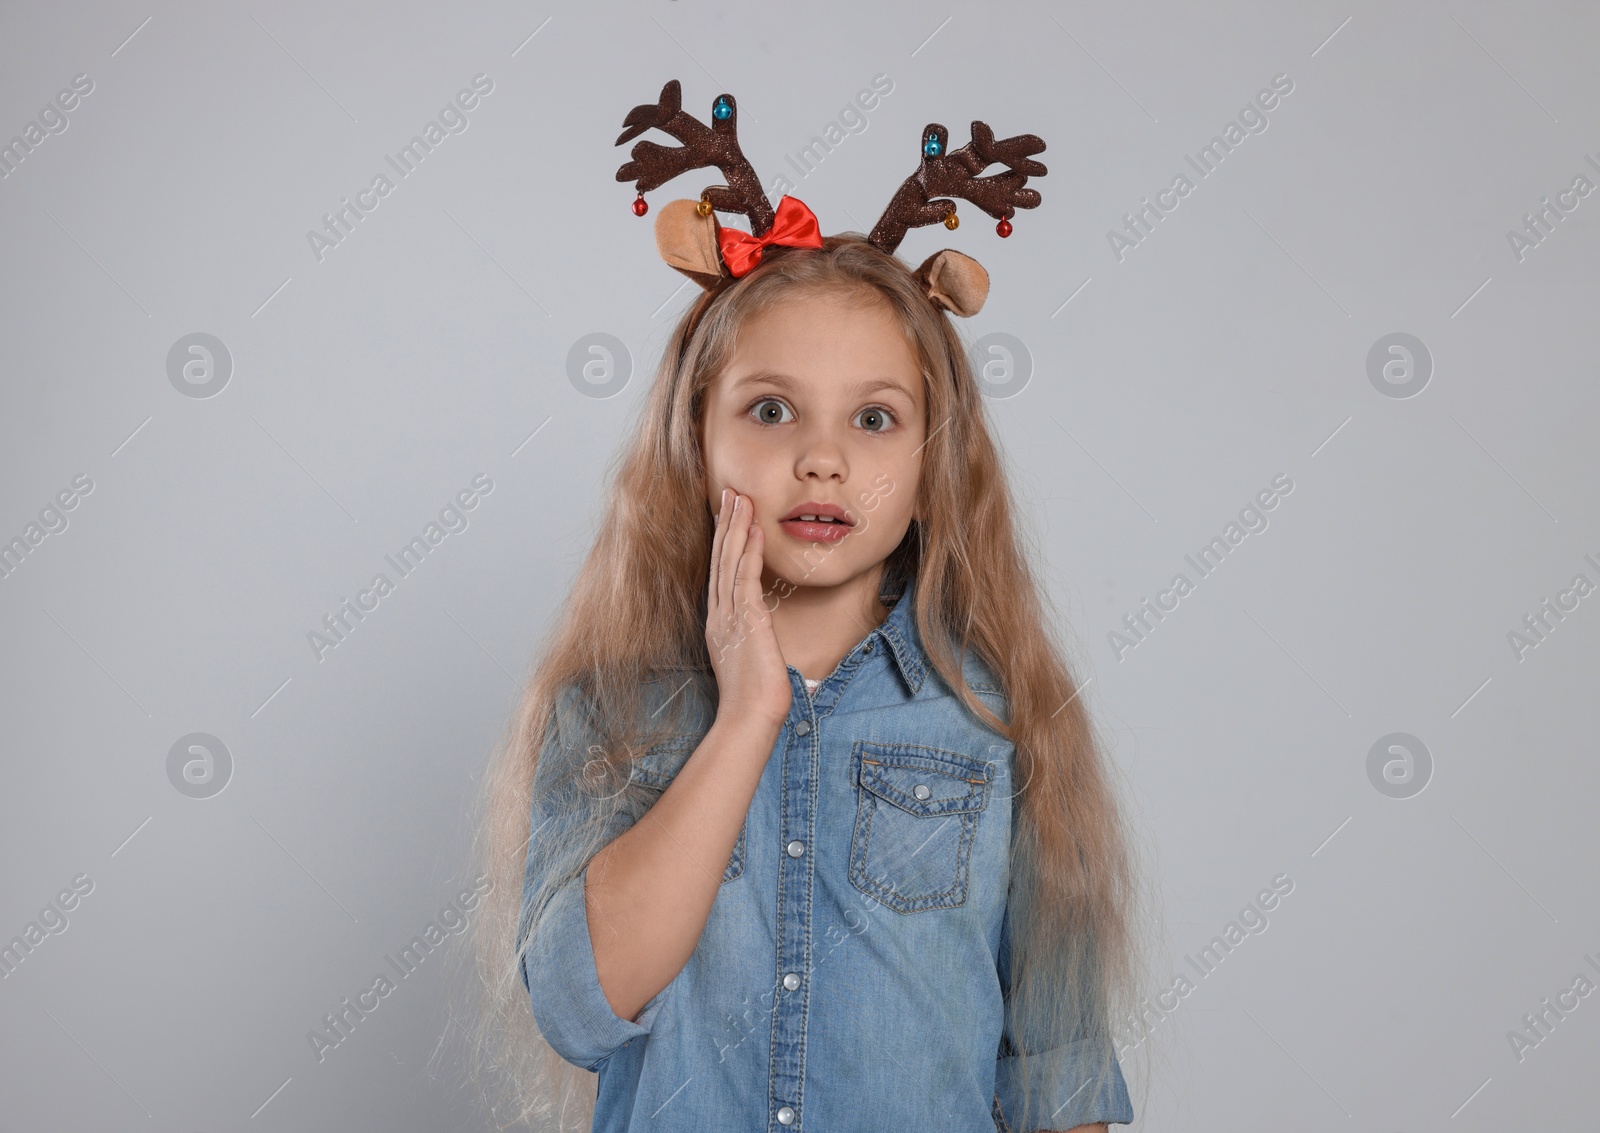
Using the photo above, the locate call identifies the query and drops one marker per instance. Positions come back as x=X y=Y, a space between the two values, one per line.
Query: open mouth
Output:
x=815 y=522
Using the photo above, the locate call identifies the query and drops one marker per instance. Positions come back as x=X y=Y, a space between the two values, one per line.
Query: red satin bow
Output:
x=795 y=226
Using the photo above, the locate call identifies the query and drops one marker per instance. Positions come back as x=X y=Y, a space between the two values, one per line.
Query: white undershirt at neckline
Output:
x=811 y=685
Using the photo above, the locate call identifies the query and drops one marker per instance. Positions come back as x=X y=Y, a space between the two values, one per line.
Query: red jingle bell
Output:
x=640 y=206
x=1004 y=227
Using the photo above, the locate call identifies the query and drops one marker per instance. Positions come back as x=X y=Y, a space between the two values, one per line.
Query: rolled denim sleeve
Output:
x=570 y=822
x=563 y=986
x=1069 y=1089
x=1076 y=1083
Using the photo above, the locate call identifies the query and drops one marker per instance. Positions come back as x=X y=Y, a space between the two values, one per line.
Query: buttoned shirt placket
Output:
x=797 y=821
x=802 y=771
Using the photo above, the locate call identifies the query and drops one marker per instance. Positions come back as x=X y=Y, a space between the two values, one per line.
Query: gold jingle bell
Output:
x=952 y=221
x=704 y=207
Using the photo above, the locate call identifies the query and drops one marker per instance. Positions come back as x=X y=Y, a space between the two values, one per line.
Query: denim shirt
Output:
x=851 y=972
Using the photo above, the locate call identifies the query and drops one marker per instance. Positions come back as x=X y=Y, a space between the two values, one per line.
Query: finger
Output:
x=733 y=548
x=714 y=581
x=733 y=551
x=747 y=574
x=754 y=555
x=720 y=564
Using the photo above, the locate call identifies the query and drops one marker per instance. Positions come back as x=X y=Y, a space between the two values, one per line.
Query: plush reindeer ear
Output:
x=955 y=282
x=688 y=242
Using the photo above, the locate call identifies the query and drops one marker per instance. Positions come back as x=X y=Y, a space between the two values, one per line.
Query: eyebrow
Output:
x=784 y=381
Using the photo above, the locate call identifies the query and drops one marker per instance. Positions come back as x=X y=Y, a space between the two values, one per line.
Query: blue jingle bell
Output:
x=931 y=147
x=723 y=110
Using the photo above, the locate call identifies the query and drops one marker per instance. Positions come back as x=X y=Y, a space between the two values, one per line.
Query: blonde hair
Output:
x=637 y=610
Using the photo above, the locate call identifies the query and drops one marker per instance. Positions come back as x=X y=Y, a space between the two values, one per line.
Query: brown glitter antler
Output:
x=923 y=197
x=718 y=144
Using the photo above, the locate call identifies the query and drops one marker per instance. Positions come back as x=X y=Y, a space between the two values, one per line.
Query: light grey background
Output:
x=1166 y=389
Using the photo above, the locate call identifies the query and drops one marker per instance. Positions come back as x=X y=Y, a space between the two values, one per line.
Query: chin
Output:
x=819 y=575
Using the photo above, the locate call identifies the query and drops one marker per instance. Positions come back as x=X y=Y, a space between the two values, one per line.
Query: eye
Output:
x=878 y=418
x=877 y=413
x=762 y=411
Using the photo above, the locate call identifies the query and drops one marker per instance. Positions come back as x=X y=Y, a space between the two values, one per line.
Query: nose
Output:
x=820 y=454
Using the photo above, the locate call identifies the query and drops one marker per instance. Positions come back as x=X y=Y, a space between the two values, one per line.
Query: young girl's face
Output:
x=821 y=403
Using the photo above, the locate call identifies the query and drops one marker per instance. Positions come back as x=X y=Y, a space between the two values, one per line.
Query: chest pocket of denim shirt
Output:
x=653 y=773
x=917 y=813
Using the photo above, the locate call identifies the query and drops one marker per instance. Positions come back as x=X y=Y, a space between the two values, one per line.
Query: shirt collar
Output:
x=899 y=630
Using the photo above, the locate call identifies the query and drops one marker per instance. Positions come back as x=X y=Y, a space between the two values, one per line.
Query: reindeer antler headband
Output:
x=690 y=239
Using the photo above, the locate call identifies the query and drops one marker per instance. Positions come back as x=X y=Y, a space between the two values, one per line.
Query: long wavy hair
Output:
x=637 y=608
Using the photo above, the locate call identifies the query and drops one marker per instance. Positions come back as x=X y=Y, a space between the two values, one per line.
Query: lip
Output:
x=817 y=507
x=817 y=531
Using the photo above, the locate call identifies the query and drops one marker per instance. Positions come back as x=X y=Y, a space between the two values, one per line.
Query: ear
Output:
x=955 y=282
x=688 y=242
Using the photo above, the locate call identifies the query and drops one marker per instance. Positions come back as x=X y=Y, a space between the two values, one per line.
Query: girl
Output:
x=801 y=822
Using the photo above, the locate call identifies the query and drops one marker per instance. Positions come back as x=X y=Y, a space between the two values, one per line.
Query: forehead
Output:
x=849 y=342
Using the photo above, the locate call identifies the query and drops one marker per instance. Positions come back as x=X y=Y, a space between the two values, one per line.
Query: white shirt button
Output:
x=791 y=981
x=796 y=848
x=921 y=791
x=786 y=1115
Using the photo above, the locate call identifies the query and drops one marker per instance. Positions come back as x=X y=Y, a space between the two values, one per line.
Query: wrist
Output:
x=746 y=728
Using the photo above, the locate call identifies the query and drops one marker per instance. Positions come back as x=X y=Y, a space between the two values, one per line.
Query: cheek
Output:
x=714 y=456
x=726 y=466
x=898 y=479
x=888 y=495
x=732 y=463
